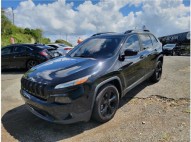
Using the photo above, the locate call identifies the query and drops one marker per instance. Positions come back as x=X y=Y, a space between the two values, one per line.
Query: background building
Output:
x=180 y=39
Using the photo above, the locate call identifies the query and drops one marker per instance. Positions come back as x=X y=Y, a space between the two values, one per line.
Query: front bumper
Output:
x=55 y=112
x=167 y=52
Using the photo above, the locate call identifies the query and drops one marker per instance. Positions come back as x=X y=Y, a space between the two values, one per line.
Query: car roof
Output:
x=52 y=44
x=27 y=44
x=127 y=33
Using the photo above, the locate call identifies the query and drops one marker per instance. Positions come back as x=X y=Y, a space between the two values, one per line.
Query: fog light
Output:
x=63 y=100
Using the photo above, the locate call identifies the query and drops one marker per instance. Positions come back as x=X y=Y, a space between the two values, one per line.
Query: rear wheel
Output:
x=157 y=73
x=31 y=63
x=173 y=53
x=106 y=104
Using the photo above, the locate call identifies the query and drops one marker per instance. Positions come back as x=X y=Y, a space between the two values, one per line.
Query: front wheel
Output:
x=173 y=53
x=106 y=104
x=157 y=73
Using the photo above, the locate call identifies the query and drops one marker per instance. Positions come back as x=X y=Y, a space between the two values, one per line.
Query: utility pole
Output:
x=13 y=16
x=60 y=35
x=66 y=36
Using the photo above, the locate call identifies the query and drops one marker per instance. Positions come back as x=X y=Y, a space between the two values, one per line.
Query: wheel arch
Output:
x=160 y=58
x=116 y=81
x=30 y=60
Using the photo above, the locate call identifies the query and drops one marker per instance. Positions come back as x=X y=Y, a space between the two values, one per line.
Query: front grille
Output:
x=34 y=88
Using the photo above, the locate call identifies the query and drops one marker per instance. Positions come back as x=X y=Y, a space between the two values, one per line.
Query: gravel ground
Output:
x=150 y=112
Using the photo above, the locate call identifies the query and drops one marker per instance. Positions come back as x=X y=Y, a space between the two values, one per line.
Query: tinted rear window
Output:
x=19 y=49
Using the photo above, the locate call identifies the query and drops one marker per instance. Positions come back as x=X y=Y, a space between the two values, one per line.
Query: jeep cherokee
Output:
x=92 y=78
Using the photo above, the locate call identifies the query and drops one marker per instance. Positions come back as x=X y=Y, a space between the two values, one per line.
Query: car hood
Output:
x=62 y=69
x=167 y=48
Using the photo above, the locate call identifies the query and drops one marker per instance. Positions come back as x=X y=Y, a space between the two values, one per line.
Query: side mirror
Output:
x=129 y=52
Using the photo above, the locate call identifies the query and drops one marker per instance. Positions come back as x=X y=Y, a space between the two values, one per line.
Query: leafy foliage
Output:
x=63 y=41
x=20 y=35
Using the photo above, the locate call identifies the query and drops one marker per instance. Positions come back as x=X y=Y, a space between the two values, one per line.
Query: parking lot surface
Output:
x=150 y=112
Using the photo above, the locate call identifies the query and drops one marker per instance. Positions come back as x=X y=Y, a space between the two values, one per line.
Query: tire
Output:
x=30 y=64
x=173 y=53
x=106 y=104
x=157 y=73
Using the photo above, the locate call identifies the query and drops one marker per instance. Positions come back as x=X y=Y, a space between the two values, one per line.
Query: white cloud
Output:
x=162 y=17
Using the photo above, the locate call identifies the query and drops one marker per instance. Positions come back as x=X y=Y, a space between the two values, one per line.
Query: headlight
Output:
x=72 y=83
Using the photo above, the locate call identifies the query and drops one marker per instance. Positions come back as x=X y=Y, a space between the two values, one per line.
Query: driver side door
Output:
x=133 y=67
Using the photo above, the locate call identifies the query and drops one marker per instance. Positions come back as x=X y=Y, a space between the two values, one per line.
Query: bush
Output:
x=63 y=41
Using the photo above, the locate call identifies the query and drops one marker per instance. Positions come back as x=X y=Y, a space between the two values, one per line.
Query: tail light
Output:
x=43 y=53
x=67 y=48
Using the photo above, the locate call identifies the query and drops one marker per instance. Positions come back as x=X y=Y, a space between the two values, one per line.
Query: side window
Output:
x=145 y=40
x=154 y=40
x=53 y=46
x=132 y=43
x=6 y=50
x=19 y=49
x=28 y=48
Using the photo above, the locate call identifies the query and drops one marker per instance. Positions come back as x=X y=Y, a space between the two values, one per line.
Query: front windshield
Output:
x=169 y=45
x=100 y=47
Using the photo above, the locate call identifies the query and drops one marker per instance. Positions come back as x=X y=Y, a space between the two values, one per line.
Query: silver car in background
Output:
x=61 y=48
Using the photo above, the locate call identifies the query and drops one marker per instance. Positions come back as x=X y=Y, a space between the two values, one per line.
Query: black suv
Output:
x=176 y=49
x=25 y=55
x=170 y=49
x=93 y=77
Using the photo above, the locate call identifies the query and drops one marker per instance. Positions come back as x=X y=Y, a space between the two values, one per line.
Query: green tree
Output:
x=63 y=41
x=21 y=35
x=5 y=23
x=45 y=40
x=27 y=31
x=37 y=34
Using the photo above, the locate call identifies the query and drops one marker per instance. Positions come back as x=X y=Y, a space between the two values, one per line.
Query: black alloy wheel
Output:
x=173 y=53
x=157 y=73
x=106 y=103
x=31 y=63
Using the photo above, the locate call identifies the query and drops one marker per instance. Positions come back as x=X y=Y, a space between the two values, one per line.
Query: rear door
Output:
x=19 y=56
x=155 y=50
x=133 y=67
x=5 y=56
x=147 y=50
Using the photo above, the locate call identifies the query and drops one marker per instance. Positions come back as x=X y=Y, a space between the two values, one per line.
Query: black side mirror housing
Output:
x=129 y=52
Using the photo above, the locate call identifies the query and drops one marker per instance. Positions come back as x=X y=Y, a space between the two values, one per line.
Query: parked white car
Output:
x=61 y=48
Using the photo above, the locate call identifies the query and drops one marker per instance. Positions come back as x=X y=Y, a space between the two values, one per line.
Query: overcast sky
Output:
x=81 y=18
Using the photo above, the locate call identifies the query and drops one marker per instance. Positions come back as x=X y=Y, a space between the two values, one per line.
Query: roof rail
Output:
x=130 y=31
x=102 y=33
